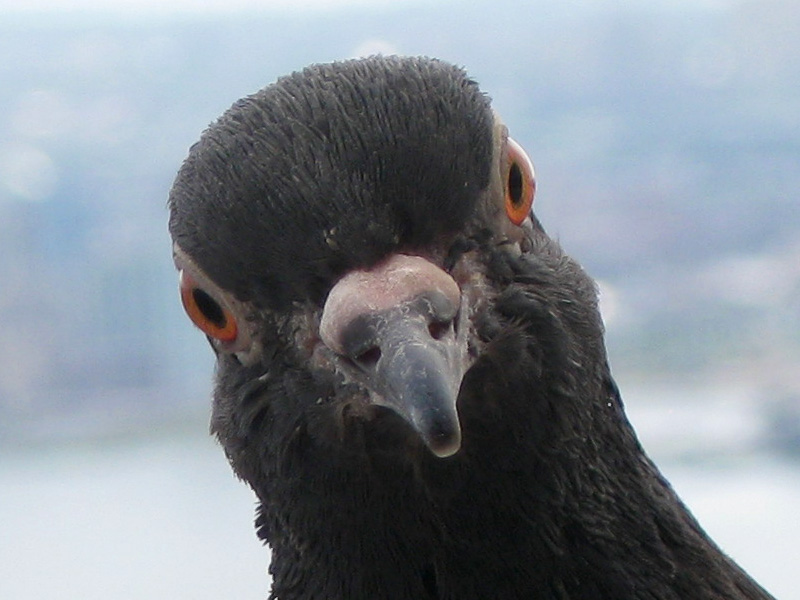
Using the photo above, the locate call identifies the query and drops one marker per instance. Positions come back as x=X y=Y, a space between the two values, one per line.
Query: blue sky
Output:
x=183 y=6
x=232 y=6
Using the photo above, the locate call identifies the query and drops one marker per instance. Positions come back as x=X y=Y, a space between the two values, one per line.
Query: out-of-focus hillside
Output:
x=666 y=141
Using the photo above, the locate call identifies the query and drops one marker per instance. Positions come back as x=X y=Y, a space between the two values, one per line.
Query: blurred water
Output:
x=155 y=518
x=750 y=510
x=163 y=517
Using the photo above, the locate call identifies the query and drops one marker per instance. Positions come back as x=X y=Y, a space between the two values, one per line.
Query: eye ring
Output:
x=209 y=315
x=519 y=183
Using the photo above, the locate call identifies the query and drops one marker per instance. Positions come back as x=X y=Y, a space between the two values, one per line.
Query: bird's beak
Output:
x=396 y=330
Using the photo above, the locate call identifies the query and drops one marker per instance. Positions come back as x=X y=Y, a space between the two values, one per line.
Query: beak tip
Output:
x=444 y=449
x=441 y=435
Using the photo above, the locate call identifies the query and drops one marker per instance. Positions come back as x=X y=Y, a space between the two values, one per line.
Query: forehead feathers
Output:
x=331 y=168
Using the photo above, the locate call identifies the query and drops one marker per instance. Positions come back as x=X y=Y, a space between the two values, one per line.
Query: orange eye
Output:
x=519 y=183
x=205 y=312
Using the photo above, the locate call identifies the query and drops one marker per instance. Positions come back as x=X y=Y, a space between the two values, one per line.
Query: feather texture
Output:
x=550 y=495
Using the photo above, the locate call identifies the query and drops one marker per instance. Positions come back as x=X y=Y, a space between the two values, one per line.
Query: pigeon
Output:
x=411 y=374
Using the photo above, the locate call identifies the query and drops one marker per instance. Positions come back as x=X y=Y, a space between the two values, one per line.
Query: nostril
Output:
x=438 y=329
x=369 y=357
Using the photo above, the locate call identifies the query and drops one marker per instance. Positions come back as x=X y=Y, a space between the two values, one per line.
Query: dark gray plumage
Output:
x=411 y=375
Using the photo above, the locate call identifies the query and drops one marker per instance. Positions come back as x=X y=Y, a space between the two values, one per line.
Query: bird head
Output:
x=342 y=238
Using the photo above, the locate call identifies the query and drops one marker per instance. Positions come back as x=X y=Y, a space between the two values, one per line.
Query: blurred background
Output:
x=666 y=137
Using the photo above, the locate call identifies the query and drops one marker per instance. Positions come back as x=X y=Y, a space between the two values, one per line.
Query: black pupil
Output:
x=209 y=307
x=515 y=183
